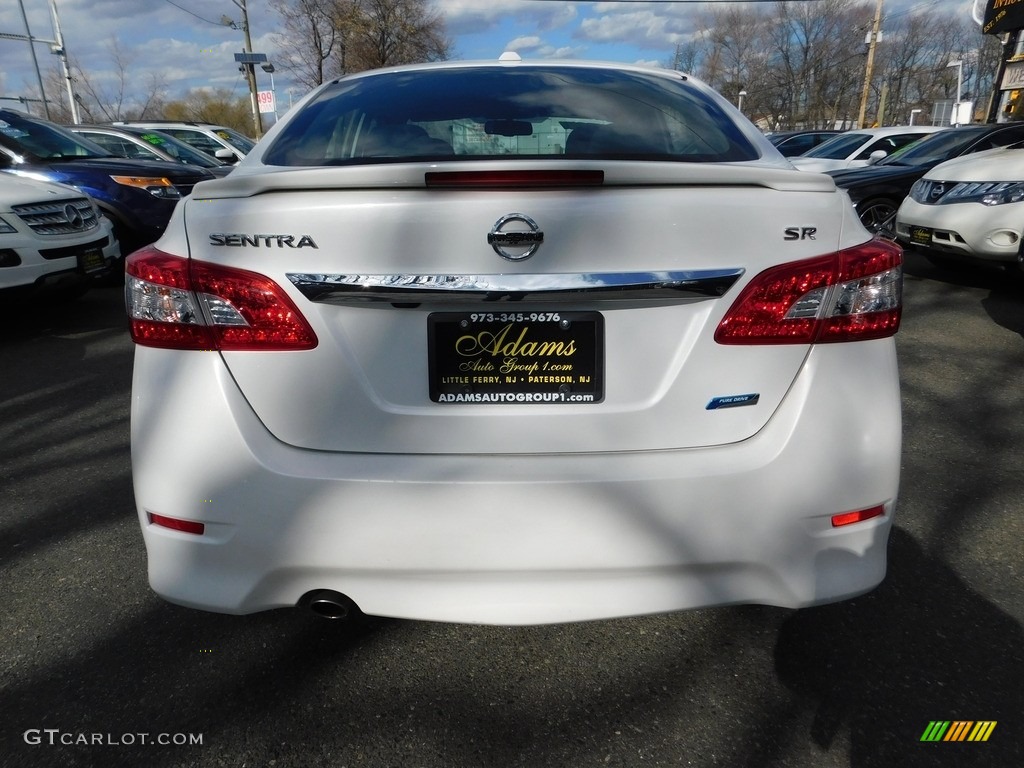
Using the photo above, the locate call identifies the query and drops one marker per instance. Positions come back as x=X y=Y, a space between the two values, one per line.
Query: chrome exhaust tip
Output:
x=330 y=604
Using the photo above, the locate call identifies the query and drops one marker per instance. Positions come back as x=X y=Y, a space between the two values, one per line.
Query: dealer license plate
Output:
x=921 y=235
x=516 y=357
x=91 y=260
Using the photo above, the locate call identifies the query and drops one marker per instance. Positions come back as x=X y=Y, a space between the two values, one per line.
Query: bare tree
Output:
x=312 y=42
x=106 y=100
x=819 y=60
x=119 y=96
x=914 y=63
x=803 y=64
x=153 y=98
x=382 y=33
x=737 y=35
x=220 y=107
x=327 y=38
x=796 y=61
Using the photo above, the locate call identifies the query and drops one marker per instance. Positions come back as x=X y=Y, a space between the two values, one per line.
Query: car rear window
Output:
x=497 y=112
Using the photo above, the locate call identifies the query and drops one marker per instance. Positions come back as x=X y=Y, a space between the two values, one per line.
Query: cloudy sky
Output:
x=184 y=40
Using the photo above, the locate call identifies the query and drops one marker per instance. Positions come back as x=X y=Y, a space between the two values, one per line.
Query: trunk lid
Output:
x=380 y=264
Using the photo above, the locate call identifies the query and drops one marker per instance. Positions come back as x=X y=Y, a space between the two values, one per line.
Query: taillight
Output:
x=852 y=295
x=179 y=303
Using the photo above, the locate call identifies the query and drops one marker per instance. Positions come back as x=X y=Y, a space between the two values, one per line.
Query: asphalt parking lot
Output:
x=97 y=671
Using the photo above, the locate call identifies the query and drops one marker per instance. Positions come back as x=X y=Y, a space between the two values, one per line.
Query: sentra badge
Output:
x=515 y=236
x=244 y=240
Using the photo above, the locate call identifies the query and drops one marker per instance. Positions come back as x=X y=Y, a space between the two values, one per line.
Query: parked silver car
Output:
x=149 y=144
x=223 y=143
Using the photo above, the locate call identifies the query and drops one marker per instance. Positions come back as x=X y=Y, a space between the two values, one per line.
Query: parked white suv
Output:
x=221 y=142
x=52 y=237
x=969 y=210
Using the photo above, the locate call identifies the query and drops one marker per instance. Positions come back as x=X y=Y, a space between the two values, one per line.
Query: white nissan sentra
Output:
x=514 y=343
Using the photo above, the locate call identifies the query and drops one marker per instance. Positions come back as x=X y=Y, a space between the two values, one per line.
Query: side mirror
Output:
x=226 y=155
x=878 y=154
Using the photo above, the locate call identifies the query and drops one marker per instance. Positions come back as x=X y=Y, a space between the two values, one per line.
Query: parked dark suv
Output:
x=137 y=196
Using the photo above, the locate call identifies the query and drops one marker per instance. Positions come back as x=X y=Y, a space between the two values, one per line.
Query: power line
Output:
x=190 y=13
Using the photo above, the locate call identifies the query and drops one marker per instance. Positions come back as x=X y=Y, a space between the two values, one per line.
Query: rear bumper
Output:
x=517 y=539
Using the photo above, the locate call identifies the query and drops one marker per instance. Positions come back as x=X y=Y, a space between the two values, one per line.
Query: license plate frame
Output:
x=91 y=260
x=508 y=358
x=921 y=235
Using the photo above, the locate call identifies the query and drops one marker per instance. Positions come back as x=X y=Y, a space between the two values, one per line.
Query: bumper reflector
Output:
x=849 y=518
x=185 y=526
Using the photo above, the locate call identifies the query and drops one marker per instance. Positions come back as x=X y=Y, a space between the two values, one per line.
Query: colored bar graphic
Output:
x=935 y=731
x=958 y=730
x=982 y=730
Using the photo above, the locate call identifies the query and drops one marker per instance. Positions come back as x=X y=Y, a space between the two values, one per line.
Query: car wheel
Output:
x=879 y=217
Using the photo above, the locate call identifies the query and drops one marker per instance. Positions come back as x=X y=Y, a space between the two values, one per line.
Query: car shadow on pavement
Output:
x=993 y=277
x=922 y=647
x=1006 y=309
x=1005 y=302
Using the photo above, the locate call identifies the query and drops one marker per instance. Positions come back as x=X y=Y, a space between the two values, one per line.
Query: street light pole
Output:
x=869 y=67
x=959 y=64
x=268 y=67
x=914 y=112
x=739 y=101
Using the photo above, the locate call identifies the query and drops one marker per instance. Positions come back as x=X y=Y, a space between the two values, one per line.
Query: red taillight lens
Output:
x=179 y=303
x=852 y=295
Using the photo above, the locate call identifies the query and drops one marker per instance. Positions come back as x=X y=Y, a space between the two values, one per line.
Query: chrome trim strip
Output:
x=598 y=286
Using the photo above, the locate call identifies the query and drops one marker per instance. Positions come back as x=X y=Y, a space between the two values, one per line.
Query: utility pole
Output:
x=870 y=66
x=59 y=49
x=250 y=68
x=32 y=47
